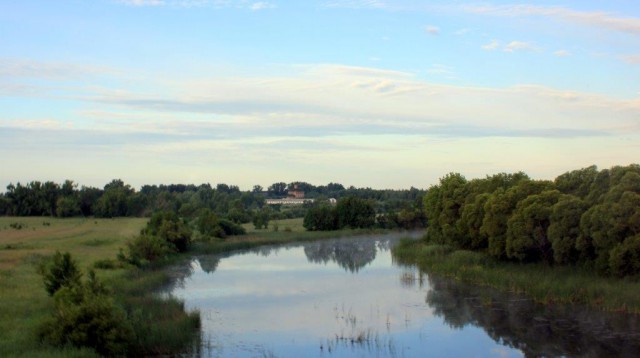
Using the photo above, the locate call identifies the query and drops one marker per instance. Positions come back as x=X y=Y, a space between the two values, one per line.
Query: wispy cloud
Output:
x=432 y=30
x=261 y=5
x=632 y=59
x=604 y=20
x=14 y=67
x=519 y=46
x=562 y=53
x=216 y=4
x=493 y=45
x=142 y=2
x=357 y=4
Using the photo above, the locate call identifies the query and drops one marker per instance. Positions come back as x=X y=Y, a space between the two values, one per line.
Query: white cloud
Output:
x=142 y=2
x=261 y=5
x=357 y=4
x=519 y=46
x=632 y=59
x=562 y=53
x=494 y=44
x=598 y=19
x=432 y=30
x=462 y=31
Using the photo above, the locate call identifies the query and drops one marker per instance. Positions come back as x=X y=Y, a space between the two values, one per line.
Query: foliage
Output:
x=353 y=212
x=61 y=272
x=583 y=217
x=321 y=218
x=84 y=315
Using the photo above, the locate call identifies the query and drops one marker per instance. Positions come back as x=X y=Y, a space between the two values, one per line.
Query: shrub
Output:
x=624 y=259
x=145 y=248
x=230 y=228
x=62 y=272
x=85 y=316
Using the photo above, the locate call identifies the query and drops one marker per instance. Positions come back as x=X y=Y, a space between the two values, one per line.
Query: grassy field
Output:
x=23 y=300
x=544 y=283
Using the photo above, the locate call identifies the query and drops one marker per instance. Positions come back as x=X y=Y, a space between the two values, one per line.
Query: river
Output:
x=348 y=298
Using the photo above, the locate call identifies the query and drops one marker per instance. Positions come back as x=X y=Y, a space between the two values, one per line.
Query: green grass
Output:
x=23 y=300
x=543 y=283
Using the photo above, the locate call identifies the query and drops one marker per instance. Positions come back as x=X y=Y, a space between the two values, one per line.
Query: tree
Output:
x=277 y=189
x=564 y=228
x=320 y=218
x=527 y=228
x=355 y=213
x=499 y=208
x=62 y=272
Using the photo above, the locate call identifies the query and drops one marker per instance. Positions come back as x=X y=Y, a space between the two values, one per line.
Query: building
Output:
x=296 y=193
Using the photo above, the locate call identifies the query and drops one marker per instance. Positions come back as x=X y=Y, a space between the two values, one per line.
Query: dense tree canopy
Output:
x=584 y=216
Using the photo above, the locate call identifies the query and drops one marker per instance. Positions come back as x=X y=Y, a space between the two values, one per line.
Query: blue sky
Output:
x=387 y=94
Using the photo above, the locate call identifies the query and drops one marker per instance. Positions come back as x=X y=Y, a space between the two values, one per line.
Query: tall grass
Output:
x=543 y=283
x=162 y=326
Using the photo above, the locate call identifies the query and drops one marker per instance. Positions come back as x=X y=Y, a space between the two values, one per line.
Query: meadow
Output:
x=24 y=242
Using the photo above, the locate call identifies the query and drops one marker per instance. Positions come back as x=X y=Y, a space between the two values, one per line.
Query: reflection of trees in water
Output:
x=352 y=255
x=537 y=330
x=209 y=263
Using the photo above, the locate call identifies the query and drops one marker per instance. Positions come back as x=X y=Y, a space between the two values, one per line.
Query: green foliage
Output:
x=230 y=228
x=320 y=218
x=527 y=228
x=624 y=259
x=61 y=272
x=585 y=216
x=564 y=228
x=208 y=224
x=68 y=206
x=146 y=248
x=84 y=315
x=261 y=218
x=171 y=229
x=352 y=212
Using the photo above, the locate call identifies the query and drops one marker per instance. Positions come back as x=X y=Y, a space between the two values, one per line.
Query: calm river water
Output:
x=347 y=298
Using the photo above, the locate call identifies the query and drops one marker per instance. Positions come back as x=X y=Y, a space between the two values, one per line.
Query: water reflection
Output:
x=536 y=330
x=346 y=297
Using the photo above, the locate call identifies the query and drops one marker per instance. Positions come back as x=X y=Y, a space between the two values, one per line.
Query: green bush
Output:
x=61 y=272
x=87 y=317
x=145 y=248
x=624 y=259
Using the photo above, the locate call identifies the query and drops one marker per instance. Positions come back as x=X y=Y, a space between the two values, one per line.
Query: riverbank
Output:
x=160 y=326
x=163 y=325
x=543 y=283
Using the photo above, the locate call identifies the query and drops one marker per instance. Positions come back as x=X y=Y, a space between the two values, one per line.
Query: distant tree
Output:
x=320 y=218
x=355 y=213
x=277 y=189
x=257 y=189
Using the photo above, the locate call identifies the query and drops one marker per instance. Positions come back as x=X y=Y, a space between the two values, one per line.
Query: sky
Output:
x=370 y=93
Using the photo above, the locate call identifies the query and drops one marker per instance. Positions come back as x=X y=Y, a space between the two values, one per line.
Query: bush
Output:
x=230 y=228
x=146 y=248
x=62 y=272
x=85 y=316
x=624 y=259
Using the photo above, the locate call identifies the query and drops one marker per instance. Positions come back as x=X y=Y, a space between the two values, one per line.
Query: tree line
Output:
x=118 y=199
x=586 y=217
